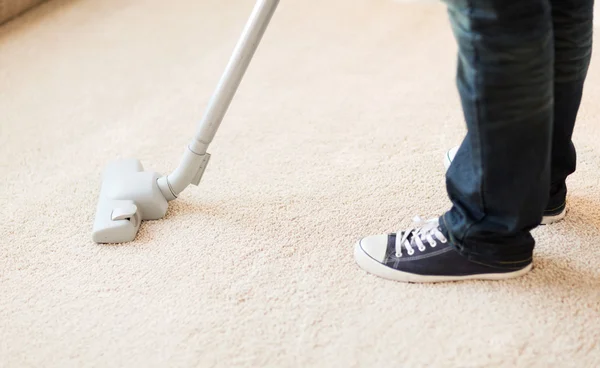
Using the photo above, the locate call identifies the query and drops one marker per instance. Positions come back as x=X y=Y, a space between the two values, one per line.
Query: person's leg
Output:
x=573 y=30
x=573 y=25
x=500 y=178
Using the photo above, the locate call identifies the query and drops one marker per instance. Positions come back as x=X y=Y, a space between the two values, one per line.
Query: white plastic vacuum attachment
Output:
x=129 y=194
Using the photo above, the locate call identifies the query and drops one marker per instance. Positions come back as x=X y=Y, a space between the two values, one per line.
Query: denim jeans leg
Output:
x=573 y=30
x=500 y=178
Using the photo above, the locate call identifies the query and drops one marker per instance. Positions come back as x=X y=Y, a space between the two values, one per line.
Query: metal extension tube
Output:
x=196 y=158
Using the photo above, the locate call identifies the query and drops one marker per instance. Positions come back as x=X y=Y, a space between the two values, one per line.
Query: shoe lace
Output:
x=422 y=231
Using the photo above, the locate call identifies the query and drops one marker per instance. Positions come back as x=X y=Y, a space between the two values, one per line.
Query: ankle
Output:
x=557 y=198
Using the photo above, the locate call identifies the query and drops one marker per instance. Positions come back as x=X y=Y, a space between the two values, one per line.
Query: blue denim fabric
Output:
x=521 y=71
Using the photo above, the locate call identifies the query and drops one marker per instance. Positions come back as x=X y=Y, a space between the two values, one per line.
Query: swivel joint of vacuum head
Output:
x=190 y=171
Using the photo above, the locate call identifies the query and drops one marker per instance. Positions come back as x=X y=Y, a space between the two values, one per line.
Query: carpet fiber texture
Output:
x=338 y=131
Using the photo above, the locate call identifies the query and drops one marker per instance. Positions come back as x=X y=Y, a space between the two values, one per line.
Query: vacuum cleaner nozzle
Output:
x=128 y=195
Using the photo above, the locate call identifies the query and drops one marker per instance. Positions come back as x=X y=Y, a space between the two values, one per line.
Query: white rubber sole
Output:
x=447 y=161
x=547 y=220
x=370 y=265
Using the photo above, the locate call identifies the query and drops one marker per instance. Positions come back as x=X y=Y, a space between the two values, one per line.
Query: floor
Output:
x=338 y=131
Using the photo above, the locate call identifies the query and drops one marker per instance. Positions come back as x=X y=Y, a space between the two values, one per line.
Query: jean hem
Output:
x=497 y=261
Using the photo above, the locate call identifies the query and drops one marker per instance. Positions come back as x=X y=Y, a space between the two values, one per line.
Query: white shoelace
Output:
x=421 y=231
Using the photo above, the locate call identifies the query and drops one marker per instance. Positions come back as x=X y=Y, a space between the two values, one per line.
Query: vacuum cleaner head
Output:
x=128 y=195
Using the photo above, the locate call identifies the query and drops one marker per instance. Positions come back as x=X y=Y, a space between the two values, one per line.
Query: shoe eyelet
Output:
x=422 y=249
x=398 y=255
x=433 y=245
x=411 y=252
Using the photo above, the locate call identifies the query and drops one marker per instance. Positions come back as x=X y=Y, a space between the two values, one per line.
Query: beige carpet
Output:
x=338 y=131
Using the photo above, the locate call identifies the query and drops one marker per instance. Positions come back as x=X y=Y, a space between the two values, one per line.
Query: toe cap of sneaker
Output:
x=375 y=246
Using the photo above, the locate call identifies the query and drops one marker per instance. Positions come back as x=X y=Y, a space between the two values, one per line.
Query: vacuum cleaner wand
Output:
x=129 y=194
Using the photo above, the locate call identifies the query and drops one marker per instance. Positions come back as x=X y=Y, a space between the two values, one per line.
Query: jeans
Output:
x=521 y=70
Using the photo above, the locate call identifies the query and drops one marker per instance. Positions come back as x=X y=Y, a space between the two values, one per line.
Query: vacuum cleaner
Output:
x=129 y=194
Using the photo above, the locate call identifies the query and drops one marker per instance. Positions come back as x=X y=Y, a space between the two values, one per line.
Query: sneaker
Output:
x=554 y=215
x=550 y=215
x=423 y=254
x=449 y=157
